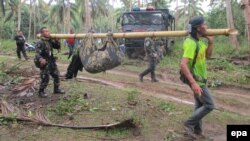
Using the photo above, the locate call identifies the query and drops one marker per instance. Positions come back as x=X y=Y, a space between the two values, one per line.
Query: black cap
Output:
x=196 y=21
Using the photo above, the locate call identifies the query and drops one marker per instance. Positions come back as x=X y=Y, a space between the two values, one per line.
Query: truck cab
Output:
x=145 y=20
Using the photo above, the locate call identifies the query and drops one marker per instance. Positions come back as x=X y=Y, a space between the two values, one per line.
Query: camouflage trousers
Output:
x=20 y=49
x=50 y=69
x=151 y=67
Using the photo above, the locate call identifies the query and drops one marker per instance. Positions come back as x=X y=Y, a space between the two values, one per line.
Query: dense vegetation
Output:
x=101 y=15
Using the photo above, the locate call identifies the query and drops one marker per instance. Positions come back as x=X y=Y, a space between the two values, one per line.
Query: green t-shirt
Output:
x=189 y=47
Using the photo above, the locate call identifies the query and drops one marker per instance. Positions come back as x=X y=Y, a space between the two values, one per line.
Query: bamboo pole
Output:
x=210 y=32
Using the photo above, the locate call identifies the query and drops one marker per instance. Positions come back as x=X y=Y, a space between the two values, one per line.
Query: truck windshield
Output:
x=145 y=18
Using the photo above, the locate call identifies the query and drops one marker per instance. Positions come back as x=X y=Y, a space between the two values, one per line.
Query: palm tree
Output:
x=160 y=3
x=99 y=8
x=2 y=14
x=230 y=21
x=30 y=19
x=190 y=9
x=246 y=7
x=57 y=13
x=87 y=15
x=80 y=10
x=15 y=12
x=127 y=4
x=40 y=16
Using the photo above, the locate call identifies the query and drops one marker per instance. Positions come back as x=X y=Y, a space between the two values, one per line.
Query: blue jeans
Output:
x=203 y=105
x=70 y=48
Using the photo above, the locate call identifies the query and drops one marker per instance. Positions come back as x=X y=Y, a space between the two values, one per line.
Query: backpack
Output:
x=70 y=41
x=183 y=78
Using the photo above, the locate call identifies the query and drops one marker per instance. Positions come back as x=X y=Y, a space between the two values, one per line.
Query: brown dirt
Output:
x=238 y=96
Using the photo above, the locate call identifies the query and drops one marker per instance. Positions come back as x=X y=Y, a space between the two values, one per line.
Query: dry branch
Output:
x=40 y=119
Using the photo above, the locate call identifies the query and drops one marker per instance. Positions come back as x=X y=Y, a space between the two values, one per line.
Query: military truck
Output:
x=144 y=20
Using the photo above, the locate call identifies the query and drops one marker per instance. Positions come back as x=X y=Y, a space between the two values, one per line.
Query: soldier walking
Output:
x=20 y=45
x=152 y=55
x=45 y=60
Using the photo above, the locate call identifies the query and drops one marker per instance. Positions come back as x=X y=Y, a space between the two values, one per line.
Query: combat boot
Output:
x=42 y=94
x=141 y=78
x=58 y=91
x=154 y=80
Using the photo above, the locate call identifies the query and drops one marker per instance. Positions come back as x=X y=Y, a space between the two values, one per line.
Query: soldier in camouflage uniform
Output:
x=46 y=62
x=152 y=55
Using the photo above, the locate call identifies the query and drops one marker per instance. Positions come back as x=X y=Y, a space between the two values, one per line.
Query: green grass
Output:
x=7 y=47
x=172 y=60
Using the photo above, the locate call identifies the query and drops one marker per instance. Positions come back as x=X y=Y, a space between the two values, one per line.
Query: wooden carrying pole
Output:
x=210 y=32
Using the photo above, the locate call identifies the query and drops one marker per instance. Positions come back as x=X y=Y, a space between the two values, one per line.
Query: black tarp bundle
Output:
x=97 y=60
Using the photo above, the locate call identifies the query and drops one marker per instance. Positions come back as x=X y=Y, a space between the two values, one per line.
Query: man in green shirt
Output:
x=196 y=73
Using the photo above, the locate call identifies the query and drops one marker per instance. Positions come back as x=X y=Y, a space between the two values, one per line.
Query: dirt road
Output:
x=228 y=98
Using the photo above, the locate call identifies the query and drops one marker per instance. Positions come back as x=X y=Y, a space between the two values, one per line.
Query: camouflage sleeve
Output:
x=39 y=48
x=149 y=46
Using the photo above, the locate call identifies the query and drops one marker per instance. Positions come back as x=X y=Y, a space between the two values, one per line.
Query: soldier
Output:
x=152 y=55
x=193 y=66
x=46 y=62
x=20 y=45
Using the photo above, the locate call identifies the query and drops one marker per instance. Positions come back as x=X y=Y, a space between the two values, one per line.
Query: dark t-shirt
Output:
x=19 y=40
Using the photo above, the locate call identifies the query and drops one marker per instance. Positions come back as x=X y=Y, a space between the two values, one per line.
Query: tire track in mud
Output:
x=226 y=100
x=124 y=86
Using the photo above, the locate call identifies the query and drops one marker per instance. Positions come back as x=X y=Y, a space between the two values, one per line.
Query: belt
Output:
x=200 y=79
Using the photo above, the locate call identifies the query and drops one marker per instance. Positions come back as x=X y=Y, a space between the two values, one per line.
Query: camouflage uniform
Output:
x=44 y=50
x=151 y=52
x=20 y=43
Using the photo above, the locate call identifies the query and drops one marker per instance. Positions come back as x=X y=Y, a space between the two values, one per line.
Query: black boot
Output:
x=153 y=79
x=42 y=94
x=58 y=91
x=68 y=76
x=141 y=78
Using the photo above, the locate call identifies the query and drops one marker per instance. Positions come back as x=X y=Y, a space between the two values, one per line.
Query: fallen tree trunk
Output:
x=7 y=111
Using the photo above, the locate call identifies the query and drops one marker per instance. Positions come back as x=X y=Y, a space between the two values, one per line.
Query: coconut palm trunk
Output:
x=246 y=9
x=176 y=14
x=30 y=19
x=230 y=23
x=19 y=15
x=34 y=19
x=87 y=15
x=68 y=16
